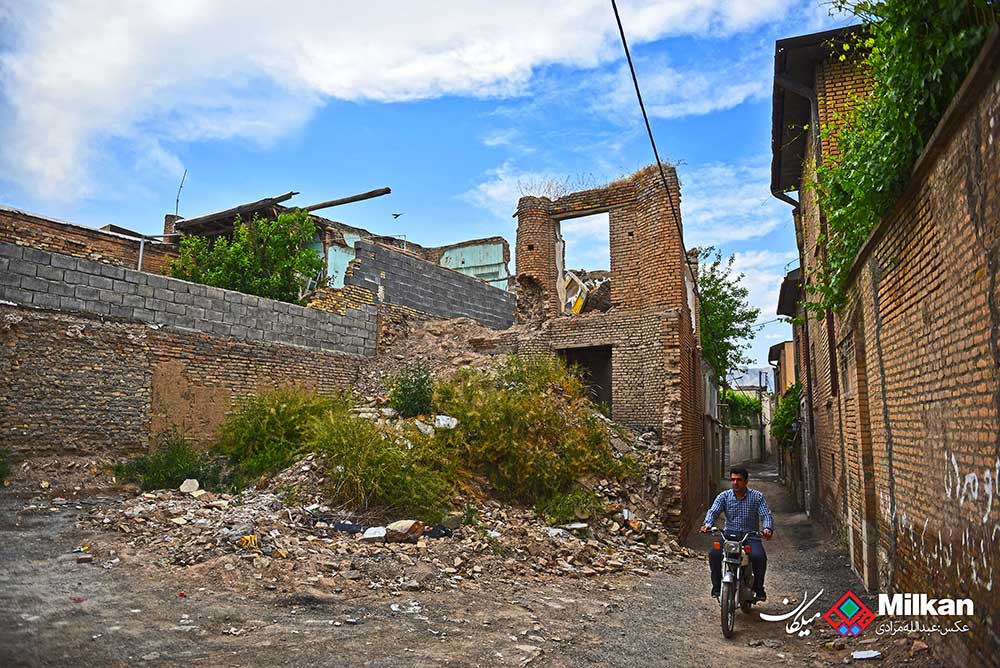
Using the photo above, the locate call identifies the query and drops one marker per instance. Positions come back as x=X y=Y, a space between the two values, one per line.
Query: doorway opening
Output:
x=595 y=362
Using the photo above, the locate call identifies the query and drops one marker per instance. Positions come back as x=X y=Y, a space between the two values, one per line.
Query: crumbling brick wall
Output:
x=24 y=229
x=655 y=355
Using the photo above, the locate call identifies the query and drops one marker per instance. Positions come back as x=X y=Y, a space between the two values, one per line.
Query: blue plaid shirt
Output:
x=742 y=515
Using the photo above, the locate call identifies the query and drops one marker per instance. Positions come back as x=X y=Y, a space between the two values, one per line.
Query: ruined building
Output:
x=640 y=349
x=98 y=355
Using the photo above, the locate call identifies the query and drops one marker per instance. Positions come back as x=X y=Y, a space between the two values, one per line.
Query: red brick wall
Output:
x=917 y=417
x=77 y=241
x=656 y=357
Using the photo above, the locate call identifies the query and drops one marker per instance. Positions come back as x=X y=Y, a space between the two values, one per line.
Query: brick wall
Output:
x=25 y=229
x=655 y=354
x=95 y=357
x=913 y=387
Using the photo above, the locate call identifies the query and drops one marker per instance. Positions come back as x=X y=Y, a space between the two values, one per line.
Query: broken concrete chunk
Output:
x=404 y=531
x=374 y=535
x=189 y=485
x=445 y=422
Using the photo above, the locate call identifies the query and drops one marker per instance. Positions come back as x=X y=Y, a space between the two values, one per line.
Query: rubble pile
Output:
x=443 y=346
x=283 y=533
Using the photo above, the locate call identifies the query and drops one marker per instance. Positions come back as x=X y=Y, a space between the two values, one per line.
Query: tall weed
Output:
x=267 y=431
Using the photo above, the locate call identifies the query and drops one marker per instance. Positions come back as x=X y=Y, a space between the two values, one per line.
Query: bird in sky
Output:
x=396 y=215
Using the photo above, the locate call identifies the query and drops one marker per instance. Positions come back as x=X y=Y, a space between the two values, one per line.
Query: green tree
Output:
x=726 y=315
x=267 y=258
x=744 y=410
x=785 y=415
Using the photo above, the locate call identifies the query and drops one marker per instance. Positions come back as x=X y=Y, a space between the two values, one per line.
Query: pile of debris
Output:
x=443 y=346
x=284 y=533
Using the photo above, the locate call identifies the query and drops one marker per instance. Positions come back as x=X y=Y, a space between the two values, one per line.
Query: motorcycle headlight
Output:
x=732 y=547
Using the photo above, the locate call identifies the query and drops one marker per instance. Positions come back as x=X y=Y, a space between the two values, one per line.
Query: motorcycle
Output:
x=737 y=579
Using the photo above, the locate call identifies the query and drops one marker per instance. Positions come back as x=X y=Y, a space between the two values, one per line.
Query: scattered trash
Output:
x=411 y=608
x=348 y=527
x=445 y=422
x=374 y=535
x=866 y=654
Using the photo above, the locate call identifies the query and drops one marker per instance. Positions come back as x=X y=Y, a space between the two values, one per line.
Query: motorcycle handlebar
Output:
x=745 y=536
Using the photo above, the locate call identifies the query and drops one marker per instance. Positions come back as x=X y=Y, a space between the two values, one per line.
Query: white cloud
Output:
x=669 y=92
x=147 y=76
x=763 y=271
x=722 y=202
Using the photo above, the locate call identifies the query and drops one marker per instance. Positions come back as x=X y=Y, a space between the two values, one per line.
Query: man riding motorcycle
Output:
x=744 y=509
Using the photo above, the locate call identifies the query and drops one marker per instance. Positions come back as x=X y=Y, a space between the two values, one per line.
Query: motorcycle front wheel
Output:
x=728 y=606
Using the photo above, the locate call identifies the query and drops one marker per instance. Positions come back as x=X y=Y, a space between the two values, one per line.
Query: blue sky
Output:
x=459 y=107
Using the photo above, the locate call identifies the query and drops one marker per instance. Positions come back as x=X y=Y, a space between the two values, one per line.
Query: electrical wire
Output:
x=652 y=142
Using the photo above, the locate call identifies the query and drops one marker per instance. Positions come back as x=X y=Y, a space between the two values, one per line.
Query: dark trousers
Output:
x=758 y=560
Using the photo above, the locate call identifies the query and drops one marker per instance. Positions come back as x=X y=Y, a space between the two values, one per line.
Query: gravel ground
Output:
x=57 y=612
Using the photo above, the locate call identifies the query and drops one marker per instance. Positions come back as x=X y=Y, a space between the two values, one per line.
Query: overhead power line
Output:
x=649 y=131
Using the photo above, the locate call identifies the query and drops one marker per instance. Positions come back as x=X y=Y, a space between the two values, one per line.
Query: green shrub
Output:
x=269 y=258
x=412 y=391
x=171 y=463
x=575 y=505
x=785 y=415
x=370 y=467
x=528 y=429
x=267 y=431
x=744 y=410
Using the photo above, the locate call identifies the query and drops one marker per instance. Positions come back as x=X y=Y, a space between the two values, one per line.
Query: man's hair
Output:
x=739 y=470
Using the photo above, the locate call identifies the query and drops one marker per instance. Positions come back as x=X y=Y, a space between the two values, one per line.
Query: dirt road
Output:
x=57 y=612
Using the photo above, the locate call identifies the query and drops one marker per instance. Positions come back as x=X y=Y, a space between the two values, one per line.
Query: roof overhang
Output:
x=774 y=352
x=789 y=295
x=795 y=61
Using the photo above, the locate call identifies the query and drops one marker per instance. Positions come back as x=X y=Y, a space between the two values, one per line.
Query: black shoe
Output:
x=760 y=598
x=715 y=593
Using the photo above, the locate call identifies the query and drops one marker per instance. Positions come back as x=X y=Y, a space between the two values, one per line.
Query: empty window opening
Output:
x=595 y=363
x=586 y=264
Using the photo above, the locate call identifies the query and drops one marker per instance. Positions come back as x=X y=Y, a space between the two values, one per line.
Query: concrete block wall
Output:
x=38 y=278
x=404 y=281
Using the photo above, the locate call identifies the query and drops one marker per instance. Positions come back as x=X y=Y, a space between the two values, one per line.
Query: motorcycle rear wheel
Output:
x=727 y=599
